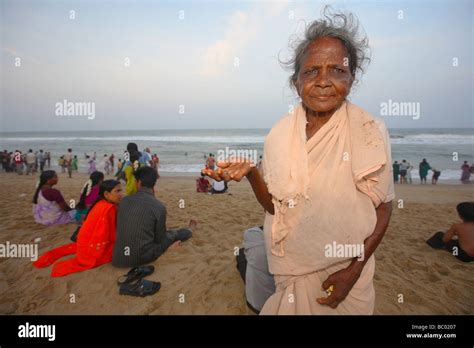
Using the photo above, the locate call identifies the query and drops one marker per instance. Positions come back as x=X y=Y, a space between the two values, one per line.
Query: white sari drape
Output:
x=325 y=191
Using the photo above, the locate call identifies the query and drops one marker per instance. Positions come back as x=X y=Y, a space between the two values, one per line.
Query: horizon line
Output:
x=187 y=129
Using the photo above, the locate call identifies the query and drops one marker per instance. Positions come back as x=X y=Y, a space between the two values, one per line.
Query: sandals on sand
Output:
x=136 y=273
x=140 y=288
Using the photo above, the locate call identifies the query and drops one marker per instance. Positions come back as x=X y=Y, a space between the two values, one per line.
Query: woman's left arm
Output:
x=344 y=280
x=384 y=212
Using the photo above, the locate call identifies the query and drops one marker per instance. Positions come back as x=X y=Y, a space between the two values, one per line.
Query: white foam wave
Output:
x=172 y=139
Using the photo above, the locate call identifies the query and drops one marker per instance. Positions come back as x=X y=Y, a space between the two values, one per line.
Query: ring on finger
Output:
x=330 y=290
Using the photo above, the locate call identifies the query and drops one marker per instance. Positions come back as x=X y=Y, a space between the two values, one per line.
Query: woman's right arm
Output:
x=260 y=190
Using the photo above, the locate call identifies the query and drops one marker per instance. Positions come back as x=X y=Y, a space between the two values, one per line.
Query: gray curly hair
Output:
x=344 y=27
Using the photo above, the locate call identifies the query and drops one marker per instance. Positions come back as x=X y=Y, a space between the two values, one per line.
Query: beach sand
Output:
x=203 y=268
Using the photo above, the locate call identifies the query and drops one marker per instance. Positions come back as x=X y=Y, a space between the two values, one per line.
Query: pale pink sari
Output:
x=325 y=190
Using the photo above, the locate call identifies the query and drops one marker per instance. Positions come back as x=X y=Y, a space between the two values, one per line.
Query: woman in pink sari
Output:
x=327 y=184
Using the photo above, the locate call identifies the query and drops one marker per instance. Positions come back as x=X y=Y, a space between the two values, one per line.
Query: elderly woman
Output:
x=327 y=182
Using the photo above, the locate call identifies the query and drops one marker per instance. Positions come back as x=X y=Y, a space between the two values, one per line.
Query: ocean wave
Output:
x=433 y=139
x=207 y=139
x=423 y=138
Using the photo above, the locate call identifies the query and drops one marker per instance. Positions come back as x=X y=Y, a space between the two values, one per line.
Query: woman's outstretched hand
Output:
x=231 y=169
x=236 y=169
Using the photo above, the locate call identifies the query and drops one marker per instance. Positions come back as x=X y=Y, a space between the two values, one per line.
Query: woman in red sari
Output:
x=96 y=238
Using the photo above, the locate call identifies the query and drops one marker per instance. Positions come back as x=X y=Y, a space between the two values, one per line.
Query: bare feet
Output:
x=175 y=245
x=192 y=225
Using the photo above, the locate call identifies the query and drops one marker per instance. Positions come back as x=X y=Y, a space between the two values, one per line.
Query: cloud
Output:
x=242 y=28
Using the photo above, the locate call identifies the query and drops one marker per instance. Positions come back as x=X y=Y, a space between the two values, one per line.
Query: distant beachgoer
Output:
x=74 y=163
x=49 y=206
x=423 y=169
x=48 y=159
x=260 y=164
x=112 y=162
x=92 y=166
x=463 y=246
x=89 y=194
x=202 y=184
x=6 y=161
x=409 y=177
x=142 y=236
x=119 y=167
x=129 y=177
x=96 y=238
x=18 y=160
x=11 y=162
x=155 y=163
x=157 y=159
x=466 y=172
x=132 y=147
x=106 y=164
x=35 y=168
x=396 y=171
x=219 y=187
x=435 y=177
x=403 y=172
x=61 y=164
x=41 y=160
x=145 y=157
x=211 y=162
x=68 y=162
x=30 y=162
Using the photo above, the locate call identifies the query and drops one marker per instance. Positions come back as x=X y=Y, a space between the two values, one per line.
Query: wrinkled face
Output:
x=114 y=196
x=324 y=79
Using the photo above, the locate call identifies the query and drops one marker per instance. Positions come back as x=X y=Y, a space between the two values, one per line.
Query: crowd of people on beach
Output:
x=402 y=172
x=128 y=230
x=125 y=228
x=25 y=163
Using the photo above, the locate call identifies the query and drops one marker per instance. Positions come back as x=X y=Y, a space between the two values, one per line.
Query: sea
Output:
x=183 y=152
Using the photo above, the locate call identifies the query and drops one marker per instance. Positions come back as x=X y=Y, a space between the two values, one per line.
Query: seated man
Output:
x=463 y=246
x=253 y=267
x=202 y=184
x=141 y=225
x=219 y=186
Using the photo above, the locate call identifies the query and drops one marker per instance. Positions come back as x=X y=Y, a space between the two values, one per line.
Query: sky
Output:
x=215 y=64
